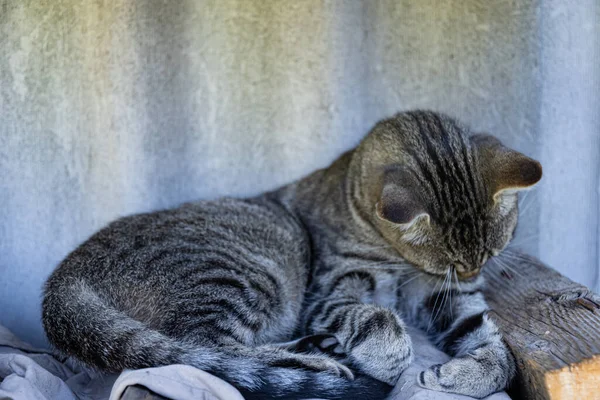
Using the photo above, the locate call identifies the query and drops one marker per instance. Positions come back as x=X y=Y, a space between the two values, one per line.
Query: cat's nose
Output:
x=465 y=272
x=468 y=274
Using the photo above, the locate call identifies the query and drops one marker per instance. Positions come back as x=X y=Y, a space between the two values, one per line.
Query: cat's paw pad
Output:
x=331 y=346
x=430 y=378
x=327 y=343
x=322 y=342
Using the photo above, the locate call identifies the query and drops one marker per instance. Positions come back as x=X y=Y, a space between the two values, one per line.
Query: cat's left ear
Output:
x=505 y=170
x=399 y=199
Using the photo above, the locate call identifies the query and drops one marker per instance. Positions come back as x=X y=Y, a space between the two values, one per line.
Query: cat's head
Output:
x=444 y=197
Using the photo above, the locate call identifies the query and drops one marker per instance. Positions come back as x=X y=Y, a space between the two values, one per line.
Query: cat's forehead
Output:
x=445 y=165
x=427 y=128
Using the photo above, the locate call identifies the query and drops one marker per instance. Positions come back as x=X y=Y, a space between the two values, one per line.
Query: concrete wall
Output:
x=114 y=107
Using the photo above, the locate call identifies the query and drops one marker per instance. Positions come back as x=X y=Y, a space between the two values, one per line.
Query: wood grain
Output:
x=552 y=326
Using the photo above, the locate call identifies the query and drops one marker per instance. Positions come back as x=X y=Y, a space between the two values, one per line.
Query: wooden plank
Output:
x=552 y=326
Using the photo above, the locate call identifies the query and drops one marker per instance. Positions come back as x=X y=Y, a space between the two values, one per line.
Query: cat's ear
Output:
x=506 y=170
x=399 y=201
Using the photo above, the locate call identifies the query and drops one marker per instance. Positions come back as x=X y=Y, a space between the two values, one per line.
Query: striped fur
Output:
x=402 y=226
x=339 y=261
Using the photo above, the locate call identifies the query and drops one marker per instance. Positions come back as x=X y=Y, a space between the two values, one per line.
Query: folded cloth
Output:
x=28 y=373
x=180 y=382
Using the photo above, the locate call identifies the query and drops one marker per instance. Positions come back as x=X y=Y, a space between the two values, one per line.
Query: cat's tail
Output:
x=81 y=324
x=251 y=371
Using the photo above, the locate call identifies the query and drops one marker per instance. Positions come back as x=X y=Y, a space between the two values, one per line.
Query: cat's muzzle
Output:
x=468 y=274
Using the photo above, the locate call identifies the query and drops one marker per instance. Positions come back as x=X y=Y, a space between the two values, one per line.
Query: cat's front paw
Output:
x=380 y=346
x=473 y=375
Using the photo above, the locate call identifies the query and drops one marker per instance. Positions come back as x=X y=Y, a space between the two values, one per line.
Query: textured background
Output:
x=114 y=107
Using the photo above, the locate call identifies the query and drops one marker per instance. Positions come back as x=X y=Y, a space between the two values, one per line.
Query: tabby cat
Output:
x=339 y=260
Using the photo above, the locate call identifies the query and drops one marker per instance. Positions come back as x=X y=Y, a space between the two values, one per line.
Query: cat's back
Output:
x=144 y=263
x=198 y=225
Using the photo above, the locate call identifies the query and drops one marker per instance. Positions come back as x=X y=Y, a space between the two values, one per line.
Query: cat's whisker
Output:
x=447 y=293
x=450 y=293
x=437 y=282
x=528 y=237
x=410 y=280
x=412 y=273
x=523 y=210
x=429 y=281
x=445 y=289
x=521 y=236
x=446 y=297
x=432 y=317
x=512 y=255
x=435 y=304
x=515 y=261
x=516 y=243
x=503 y=270
x=525 y=195
x=457 y=281
x=514 y=271
x=509 y=250
x=505 y=266
x=516 y=248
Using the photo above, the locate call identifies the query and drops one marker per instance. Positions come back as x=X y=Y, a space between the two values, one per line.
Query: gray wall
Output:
x=109 y=108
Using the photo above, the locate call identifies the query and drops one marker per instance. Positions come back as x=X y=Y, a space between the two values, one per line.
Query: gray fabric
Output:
x=27 y=373
x=178 y=382
x=115 y=107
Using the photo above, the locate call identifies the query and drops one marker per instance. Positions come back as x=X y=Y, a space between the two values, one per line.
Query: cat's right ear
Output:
x=506 y=170
x=399 y=202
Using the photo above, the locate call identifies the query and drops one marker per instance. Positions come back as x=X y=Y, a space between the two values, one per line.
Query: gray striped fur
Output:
x=395 y=230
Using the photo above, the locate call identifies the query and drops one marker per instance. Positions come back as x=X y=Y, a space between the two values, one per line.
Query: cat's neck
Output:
x=331 y=203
